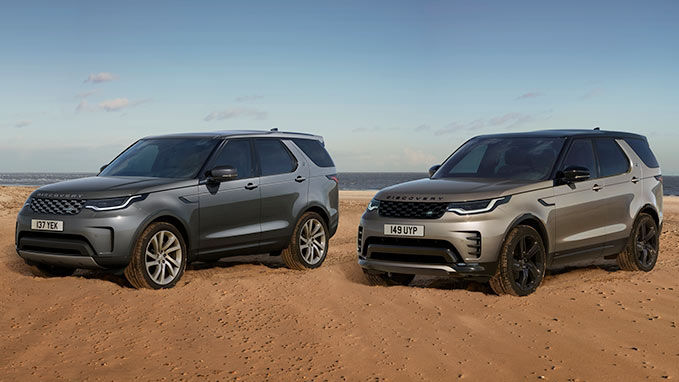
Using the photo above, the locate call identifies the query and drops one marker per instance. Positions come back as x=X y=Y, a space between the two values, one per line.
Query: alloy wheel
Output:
x=646 y=243
x=312 y=241
x=527 y=262
x=163 y=257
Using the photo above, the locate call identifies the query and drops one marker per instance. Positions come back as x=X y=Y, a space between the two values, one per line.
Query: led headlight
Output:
x=113 y=203
x=374 y=205
x=476 y=206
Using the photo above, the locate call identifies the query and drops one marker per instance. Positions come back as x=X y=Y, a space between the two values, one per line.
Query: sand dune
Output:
x=251 y=319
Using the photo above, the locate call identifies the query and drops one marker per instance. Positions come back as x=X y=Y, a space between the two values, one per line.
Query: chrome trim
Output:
x=127 y=203
x=489 y=207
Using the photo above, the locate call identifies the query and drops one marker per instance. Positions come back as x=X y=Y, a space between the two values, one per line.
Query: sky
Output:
x=390 y=85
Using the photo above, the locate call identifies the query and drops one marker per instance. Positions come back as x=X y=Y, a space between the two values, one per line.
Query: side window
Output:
x=237 y=154
x=581 y=154
x=612 y=160
x=315 y=151
x=274 y=158
x=641 y=148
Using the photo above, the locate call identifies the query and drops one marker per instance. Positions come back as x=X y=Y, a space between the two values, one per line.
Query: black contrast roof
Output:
x=567 y=133
x=240 y=133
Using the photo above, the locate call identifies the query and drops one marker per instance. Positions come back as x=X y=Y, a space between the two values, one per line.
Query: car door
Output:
x=621 y=184
x=284 y=187
x=580 y=208
x=230 y=210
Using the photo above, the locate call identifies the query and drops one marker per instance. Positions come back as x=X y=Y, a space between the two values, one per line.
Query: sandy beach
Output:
x=251 y=319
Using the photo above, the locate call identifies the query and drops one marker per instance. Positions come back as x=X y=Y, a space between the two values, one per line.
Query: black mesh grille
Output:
x=57 y=206
x=412 y=210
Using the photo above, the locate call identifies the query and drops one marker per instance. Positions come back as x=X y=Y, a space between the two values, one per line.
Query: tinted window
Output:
x=641 y=148
x=274 y=158
x=237 y=154
x=315 y=151
x=581 y=154
x=612 y=161
x=162 y=158
x=524 y=158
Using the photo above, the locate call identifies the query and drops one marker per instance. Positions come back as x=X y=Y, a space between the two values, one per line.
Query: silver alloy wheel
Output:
x=163 y=257
x=312 y=241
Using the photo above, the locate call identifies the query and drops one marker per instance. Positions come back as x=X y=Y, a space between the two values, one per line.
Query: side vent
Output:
x=474 y=244
x=360 y=240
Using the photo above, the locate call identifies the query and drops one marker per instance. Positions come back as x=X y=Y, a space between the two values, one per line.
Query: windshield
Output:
x=522 y=158
x=162 y=158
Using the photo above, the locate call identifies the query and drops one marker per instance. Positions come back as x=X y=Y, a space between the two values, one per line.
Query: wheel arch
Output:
x=649 y=209
x=533 y=222
x=170 y=219
x=317 y=208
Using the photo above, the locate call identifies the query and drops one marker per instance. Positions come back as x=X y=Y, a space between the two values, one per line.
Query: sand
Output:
x=252 y=319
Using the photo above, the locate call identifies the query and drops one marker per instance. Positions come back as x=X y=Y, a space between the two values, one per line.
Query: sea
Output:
x=348 y=180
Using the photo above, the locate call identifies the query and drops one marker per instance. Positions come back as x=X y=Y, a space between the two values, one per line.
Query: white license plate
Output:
x=47 y=225
x=403 y=230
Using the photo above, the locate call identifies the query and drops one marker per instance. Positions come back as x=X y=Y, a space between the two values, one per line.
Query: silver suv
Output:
x=504 y=208
x=173 y=199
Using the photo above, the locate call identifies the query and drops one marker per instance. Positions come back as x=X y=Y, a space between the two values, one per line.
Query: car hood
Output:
x=99 y=187
x=458 y=189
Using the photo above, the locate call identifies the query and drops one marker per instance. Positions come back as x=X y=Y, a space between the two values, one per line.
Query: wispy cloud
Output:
x=507 y=121
x=239 y=112
x=365 y=129
x=21 y=124
x=96 y=78
x=422 y=128
x=592 y=93
x=84 y=95
x=529 y=95
x=248 y=98
x=112 y=105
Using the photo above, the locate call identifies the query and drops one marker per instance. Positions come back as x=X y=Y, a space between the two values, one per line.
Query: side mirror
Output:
x=433 y=169
x=574 y=174
x=102 y=167
x=222 y=174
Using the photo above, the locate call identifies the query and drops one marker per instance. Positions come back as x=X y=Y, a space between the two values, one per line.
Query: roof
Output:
x=567 y=133
x=240 y=133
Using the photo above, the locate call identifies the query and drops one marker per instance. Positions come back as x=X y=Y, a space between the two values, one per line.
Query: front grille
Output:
x=57 y=206
x=412 y=210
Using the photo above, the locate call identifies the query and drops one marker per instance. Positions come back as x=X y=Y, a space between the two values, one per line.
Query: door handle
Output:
x=635 y=180
x=597 y=188
x=300 y=179
x=251 y=186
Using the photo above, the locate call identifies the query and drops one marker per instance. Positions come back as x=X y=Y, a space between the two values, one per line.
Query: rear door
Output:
x=230 y=211
x=580 y=208
x=621 y=183
x=284 y=188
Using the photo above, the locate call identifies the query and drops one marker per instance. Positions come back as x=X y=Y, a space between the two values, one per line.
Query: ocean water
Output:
x=348 y=180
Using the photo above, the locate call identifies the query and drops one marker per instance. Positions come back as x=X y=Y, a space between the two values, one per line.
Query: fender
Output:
x=542 y=230
x=158 y=215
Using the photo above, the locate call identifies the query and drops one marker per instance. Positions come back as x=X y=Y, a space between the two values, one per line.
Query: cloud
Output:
x=506 y=121
x=592 y=93
x=82 y=106
x=530 y=95
x=422 y=128
x=116 y=104
x=364 y=129
x=21 y=124
x=84 y=95
x=239 y=112
x=96 y=78
x=248 y=98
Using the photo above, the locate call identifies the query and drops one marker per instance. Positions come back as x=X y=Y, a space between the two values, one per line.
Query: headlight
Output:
x=374 y=204
x=476 y=206
x=113 y=203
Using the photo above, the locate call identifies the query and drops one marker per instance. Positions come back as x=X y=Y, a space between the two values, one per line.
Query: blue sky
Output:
x=392 y=85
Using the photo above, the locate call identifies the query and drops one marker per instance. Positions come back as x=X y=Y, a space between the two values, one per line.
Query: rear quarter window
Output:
x=642 y=149
x=315 y=151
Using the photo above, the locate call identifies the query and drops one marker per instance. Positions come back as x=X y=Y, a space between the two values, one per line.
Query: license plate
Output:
x=47 y=225
x=404 y=230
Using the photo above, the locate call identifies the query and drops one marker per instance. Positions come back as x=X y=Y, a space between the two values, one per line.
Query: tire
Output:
x=45 y=270
x=388 y=279
x=299 y=255
x=521 y=263
x=158 y=261
x=643 y=245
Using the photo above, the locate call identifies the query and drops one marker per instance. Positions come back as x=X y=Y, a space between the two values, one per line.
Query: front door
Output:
x=580 y=213
x=230 y=210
